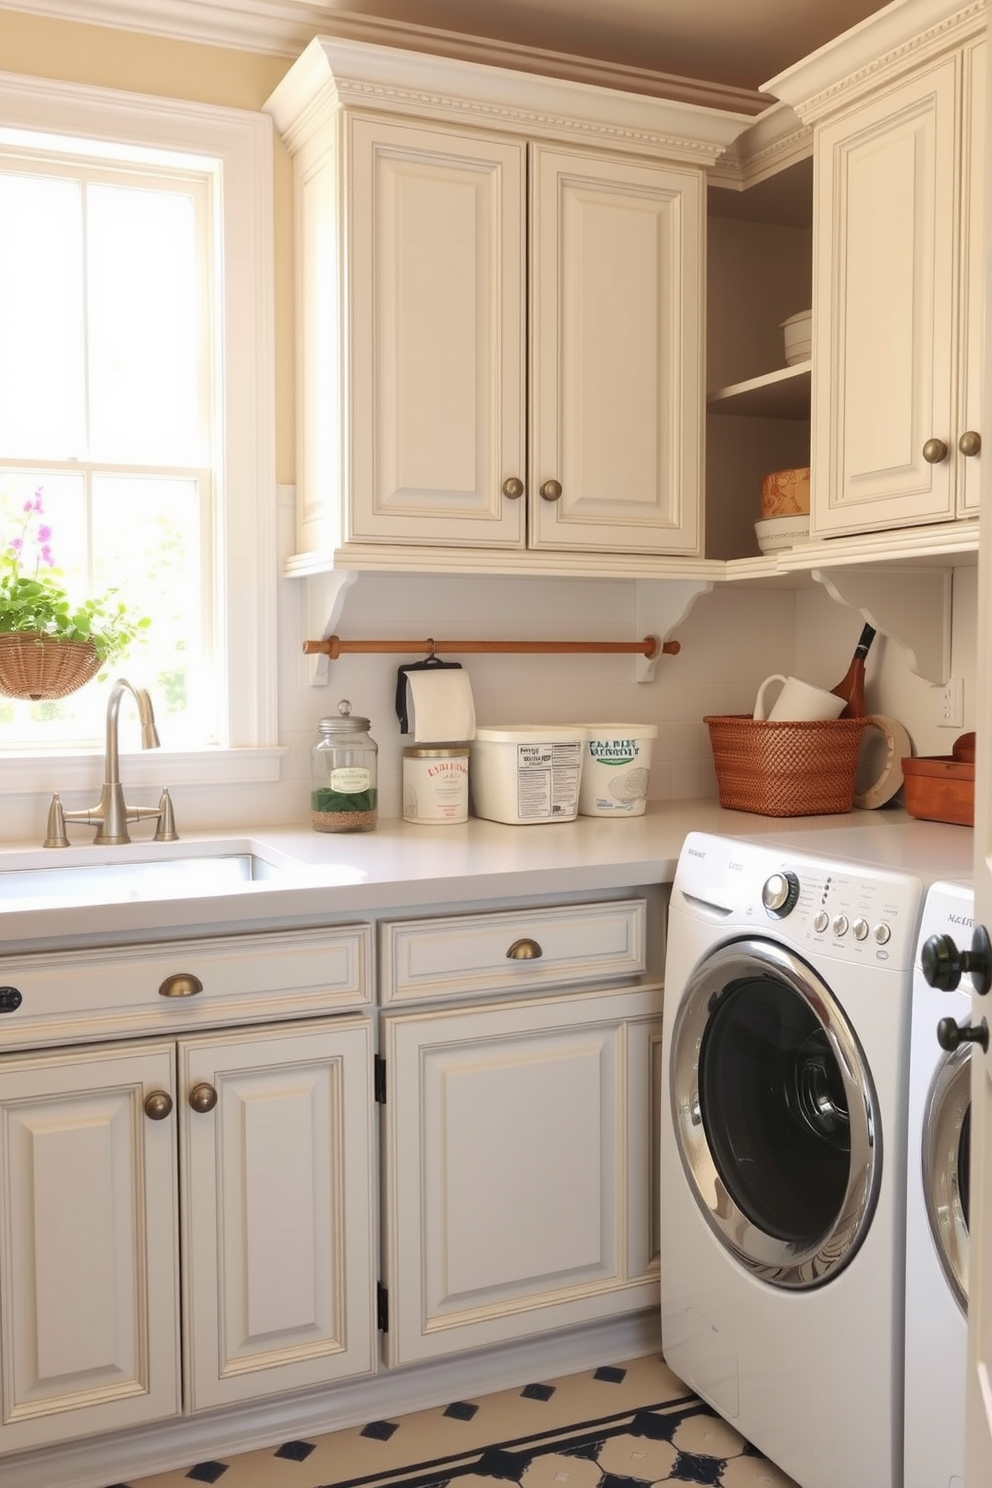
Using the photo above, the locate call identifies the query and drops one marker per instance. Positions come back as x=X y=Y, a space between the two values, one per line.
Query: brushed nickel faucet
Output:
x=111 y=814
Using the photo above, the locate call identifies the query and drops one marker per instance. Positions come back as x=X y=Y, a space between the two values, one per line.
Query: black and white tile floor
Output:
x=620 y=1426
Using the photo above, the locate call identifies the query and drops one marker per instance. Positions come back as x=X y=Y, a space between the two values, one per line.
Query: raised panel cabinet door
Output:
x=278 y=1230
x=436 y=250
x=883 y=305
x=971 y=314
x=506 y=1203
x=89 y=1293
x=616 y=355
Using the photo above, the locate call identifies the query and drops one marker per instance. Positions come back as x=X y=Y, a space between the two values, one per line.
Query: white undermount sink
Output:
x=119 y=881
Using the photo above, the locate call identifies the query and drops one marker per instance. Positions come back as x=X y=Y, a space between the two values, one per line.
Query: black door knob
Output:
x=951 y=1035
x=943 y=964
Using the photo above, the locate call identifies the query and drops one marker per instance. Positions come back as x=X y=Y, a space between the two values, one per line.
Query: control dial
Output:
x=780 y=893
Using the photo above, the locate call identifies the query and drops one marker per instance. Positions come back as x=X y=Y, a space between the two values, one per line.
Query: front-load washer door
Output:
x=946 y=1142
x=775 y=1113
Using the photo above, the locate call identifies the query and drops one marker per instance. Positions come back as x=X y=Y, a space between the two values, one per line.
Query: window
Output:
x=136 y=396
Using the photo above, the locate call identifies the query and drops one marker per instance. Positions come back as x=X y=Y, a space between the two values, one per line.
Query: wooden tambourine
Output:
x=881 y=761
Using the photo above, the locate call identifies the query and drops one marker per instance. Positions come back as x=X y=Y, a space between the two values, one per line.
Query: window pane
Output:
x=143 y=304
x=41 y=318
x=147 y=545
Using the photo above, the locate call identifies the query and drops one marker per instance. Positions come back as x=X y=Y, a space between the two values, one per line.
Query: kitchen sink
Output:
x=118 y=882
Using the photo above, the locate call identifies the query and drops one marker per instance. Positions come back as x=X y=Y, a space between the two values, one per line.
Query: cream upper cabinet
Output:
x=434 y=351
x=616 y=250
x=897 y=317
x=500 y=312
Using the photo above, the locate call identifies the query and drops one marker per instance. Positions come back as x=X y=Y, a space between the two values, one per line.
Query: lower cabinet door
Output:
x=89 y=1295
x=278 y=1179
x=518 y=1169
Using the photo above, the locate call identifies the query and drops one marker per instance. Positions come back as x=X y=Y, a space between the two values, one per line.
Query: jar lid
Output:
x=435 y=751
x=345 y=723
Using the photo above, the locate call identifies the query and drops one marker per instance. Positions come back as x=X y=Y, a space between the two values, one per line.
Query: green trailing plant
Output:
x=35 y=601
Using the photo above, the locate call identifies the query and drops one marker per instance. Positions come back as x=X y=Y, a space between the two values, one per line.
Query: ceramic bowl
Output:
x=781 y=532
x=785 y=493
x=798 y=334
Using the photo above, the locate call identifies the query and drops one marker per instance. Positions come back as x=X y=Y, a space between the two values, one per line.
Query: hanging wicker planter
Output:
x=39 y=666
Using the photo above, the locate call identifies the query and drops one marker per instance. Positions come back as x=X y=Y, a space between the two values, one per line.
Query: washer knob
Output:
x=840 y=925
x=860 y=928
x=882 y=933
x=820 y=921
x=780 y=893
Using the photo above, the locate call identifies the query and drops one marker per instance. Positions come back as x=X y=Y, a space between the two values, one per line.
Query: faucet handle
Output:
x=166 y=829
x=55 y=835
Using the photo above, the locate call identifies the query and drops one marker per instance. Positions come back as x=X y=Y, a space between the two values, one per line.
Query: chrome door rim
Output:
x=948 y=1102
x=780 y=1262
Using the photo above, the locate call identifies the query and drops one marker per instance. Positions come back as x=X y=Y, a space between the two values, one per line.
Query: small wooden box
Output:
x=940 y=788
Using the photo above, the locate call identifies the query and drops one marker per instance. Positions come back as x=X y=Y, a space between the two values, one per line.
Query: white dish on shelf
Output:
x=775 y=533
x=798 y=335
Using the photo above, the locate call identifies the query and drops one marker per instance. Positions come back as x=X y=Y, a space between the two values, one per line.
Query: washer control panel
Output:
x=846 y=910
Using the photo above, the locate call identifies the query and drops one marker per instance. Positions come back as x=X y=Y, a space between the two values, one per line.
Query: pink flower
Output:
x=37 y=501
x=43 y=534
x=46 y=556
x=16 y=543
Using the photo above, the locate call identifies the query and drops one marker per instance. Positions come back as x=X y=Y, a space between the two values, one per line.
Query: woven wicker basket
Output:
x=39 y=667
x=785 y=769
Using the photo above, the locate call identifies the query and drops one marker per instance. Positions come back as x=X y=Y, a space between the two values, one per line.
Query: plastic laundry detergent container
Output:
x=523 y=773
x=616 y=765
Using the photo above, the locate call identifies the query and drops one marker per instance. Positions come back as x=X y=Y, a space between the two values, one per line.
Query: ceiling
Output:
x=742 y=43
x=735 y=43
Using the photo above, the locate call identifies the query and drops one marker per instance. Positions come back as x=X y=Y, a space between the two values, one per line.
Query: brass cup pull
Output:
x=524 y=950
x=183 y=984
x=970 y=442
x=551 y=490
x=158 y=1105
x=203 y=1098
x=513 y=487
x=934 y=451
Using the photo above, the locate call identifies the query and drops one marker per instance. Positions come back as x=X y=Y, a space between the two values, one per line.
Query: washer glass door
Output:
x=775 y=1113
x=946 y=1145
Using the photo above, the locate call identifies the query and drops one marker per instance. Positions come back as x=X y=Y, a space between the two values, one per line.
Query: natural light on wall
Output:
x=137 y=439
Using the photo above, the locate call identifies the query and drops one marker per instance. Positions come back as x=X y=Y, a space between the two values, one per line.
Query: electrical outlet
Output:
x=950 y=704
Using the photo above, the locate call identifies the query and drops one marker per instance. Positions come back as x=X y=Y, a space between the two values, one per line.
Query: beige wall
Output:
x=74 y=53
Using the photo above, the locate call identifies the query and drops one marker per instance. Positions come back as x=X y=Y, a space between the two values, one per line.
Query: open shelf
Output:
x=784 y=393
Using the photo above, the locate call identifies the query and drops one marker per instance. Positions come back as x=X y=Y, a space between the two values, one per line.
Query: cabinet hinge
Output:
x=382 y=1307
x=379 y=1079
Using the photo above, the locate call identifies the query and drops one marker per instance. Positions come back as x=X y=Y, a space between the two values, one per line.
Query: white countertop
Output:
x=404 y=868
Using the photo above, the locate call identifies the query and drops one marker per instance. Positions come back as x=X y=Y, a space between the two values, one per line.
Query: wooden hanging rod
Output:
x=333 y=646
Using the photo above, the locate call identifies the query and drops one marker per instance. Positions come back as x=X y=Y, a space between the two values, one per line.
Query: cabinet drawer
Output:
x=68 y=996
x=534 y=949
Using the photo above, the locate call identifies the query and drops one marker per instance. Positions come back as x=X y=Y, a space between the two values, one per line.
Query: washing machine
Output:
x=937 y=1207
x=785 y=1065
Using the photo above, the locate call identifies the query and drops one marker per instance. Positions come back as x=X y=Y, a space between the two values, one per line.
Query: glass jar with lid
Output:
x=343 y=764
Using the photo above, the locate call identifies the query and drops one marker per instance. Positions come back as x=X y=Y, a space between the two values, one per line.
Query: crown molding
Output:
x=285 y=27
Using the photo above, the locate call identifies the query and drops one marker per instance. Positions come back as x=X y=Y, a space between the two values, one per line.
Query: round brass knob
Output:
x=183 y=984
x=158 y=1105
x=513 y=487
x=551 y=490
x=970 y=442
x=934 y=451
x=203 y=1098
x=524 y=950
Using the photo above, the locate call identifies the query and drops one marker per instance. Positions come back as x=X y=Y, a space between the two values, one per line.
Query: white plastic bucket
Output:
x=523 y=773
x=616 y=765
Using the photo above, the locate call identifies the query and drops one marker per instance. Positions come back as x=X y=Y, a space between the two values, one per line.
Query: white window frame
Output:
x=241 y=141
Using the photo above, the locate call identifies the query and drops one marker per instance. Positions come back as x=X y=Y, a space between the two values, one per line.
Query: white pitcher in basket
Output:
x=797 y=702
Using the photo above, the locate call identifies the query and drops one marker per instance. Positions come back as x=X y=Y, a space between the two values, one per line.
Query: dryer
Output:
x=785 y=1063
x=937 y=1194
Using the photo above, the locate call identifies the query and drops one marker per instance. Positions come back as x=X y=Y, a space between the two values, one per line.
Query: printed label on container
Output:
x=613 y=751
x=350 y=779
x=547 y=780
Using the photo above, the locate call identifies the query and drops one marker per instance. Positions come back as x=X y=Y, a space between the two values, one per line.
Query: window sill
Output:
x=43 y=772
